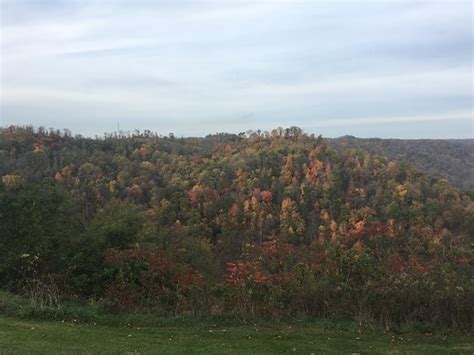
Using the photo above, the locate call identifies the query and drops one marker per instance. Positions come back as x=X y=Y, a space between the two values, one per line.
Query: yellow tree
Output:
x=292 y=226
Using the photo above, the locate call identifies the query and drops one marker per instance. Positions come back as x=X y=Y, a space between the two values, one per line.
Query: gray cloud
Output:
x=198 y=67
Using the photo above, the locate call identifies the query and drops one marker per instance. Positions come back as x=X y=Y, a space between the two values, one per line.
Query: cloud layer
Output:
x=388 y=69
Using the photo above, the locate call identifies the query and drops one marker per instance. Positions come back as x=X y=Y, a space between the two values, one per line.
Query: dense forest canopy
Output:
x=452 y=159
x=263 y=223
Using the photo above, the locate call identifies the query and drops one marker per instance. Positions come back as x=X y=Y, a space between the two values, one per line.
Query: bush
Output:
x=146 y=278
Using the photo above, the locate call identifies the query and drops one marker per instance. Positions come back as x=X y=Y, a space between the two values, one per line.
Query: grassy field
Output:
x=46 y=337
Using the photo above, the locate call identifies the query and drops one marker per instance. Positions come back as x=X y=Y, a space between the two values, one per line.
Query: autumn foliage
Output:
x=274 y=224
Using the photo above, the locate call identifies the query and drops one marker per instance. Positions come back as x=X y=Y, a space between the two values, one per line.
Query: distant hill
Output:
x=452 y=159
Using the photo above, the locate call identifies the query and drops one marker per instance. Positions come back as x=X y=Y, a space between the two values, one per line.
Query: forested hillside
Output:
x=452 y=159
x=263 y=224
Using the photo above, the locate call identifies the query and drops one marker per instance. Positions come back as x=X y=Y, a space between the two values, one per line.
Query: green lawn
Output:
x=45 y=337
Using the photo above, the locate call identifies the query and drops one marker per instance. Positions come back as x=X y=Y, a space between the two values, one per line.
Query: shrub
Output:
x=147 y=278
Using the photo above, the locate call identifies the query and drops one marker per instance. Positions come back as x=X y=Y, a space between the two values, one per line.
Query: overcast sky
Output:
x=386 y=69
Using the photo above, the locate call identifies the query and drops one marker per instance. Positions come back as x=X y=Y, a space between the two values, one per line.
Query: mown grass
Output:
x=46 y=337
x=83 y=329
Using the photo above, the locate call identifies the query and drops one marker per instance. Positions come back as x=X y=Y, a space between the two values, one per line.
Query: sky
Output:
x=400 y=69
